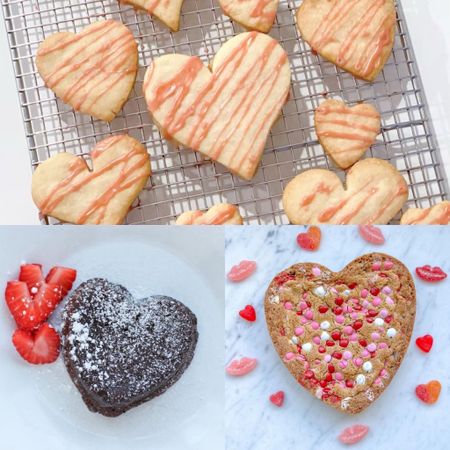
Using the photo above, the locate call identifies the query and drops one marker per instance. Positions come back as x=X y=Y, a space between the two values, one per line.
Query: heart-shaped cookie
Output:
x=356 y=35
x=346 y=133
x=226 y=114
x=221 y=214
x=252 y=14
x=343 y=335
x=94 y=70
x=375 y=193
x=63 y=186
x=167 y=11
x=120 y=351
x=436 y=215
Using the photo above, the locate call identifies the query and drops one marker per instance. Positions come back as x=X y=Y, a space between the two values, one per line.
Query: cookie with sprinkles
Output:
x=343 y=335
x=121 y=351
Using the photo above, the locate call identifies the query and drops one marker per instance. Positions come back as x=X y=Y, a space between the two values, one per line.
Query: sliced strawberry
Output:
x=40 y=346
x=62 y=276
x=32 y=275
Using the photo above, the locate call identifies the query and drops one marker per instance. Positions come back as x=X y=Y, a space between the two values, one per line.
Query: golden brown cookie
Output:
x=94 y=70
x=63 y=186
x=356 y=35
x=225 y=113
x=375 y=193
x=436 y=215
x=346 y=133
x=221 y=214
x=343 y=335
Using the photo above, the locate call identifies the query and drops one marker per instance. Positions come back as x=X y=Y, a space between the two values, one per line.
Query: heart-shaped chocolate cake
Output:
x=343 y=335
x=120 y=351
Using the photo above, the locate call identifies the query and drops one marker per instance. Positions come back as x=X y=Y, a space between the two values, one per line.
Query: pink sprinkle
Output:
x=366 y=304
x=375 y=336
x=289 y=356
x=376 y=301
x=358 y=362
x=365 y=353
x=347 y=354
x=316 y=271
x=288 y=305
x=383 y=313
x=303 y=320
x=389 y=301
x=364 y=293
x=382 y=345
x=299 y=331
x=388 y=265
x=378 y=381
x=338 y=375
x=348 y=330
x=350 y=309
x=315 y=325
x=339 y=319
x=308 y=314
x=316 y=340
x=353 y=337
x=345 y=308
x=239 y=367
x=354 y=315
x=383 y=372
x=376 y=265
x=343 y=364
x=303 y=305
x=333 y=290
x=305 y=295
x=327 y=358
x=371 y=347
x=386 y=290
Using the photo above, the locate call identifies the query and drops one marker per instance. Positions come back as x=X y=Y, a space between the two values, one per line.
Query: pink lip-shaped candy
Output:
x=239 y=367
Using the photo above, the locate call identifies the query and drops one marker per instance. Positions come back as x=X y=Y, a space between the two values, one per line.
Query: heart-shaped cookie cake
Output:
x=120 y=351
x=343 y=335
x=226 y=114
x=436 y=215
x=375 y=193
x=167 y=11
x=252 y=14
x=94 y=70
x=221 y=214
x=63 y=186
x=356 y=35
x=346 y=133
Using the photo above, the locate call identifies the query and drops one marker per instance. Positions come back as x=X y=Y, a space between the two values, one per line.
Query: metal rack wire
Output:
x=182 y=179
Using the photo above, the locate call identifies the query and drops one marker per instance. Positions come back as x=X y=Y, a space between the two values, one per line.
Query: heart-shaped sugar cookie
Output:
x=226 y=114
x=221 y=214
x=63 y=186
x=167 y=11
x=346 y=133
x=356 y=35
x=375 y=193
x=343 y=335
x=94 y=70
x=120 y=351
x=436 y=215
x=252 y=14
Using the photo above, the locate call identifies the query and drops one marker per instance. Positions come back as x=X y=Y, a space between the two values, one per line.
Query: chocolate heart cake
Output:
x=343 y=335
x=120 y=351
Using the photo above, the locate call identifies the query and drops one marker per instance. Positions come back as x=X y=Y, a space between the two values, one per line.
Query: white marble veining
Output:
x=397 y=420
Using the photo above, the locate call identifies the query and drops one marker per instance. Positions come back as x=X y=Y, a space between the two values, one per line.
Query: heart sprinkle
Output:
x=431 y=274
x=248 y=313
x=425 y=343
x=371 y=234
x=353 y=434
x=240 y=367
x=242 y=270
x=429 y=393
x=277 y=399
x=310 y=240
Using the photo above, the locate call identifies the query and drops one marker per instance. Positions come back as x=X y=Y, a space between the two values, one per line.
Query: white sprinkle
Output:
x=367 y=366
x=34 y=290
x=325 y=325
x=379 y=322
x=307 y=347
x=319 y=393
x=346 y=293
x=391 y=332
x=360 y=379
x=370 y=395
x=294 y=339
x=274 y=299
x=324 y=336
x=320 y=291
x=344 y=402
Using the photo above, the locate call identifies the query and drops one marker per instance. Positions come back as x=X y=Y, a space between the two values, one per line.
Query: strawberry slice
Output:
x=32 y=275
x=40 y=346
x=63 y=277
x=431 y=274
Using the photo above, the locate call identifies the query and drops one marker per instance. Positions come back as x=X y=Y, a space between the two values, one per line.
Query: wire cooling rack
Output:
x=182 y=179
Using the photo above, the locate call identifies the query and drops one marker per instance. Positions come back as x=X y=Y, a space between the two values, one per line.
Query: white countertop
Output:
x=397 y=420
x=430 y=34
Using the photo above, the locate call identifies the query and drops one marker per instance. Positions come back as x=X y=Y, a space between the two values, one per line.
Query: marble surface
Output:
x=397 y=420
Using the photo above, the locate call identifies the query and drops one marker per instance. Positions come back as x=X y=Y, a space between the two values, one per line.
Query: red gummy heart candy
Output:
x=371 y=234
x=353 y=434
x=425 y=343
x=311 y=239
x=248 y=313
x=431 y=274
x=242 y=270
x=429 y=393
x=277 y=399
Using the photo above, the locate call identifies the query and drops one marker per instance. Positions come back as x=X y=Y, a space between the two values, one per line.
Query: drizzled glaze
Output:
x=221 y=104
x=133 y=163
x=261 y=15
x=375 y=20
x=89 y=65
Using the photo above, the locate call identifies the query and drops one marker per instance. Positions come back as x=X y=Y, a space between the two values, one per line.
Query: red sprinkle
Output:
x=431 y=274
x=371 y=234
x=241 y=271
x=353 y=434
x=277 y=399
x=425 y=343
x=248 y=313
